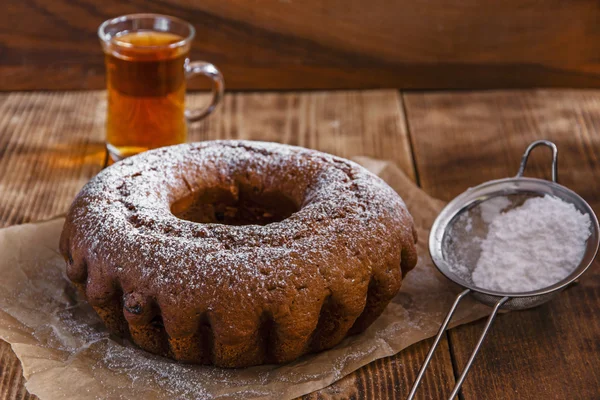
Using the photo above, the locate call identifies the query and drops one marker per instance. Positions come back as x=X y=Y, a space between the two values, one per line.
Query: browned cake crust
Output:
x=237 y=253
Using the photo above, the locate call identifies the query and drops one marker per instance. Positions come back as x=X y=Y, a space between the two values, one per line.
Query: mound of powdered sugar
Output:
x=533 y=246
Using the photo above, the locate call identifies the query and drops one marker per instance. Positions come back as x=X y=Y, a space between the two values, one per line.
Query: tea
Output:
x=146 y=91
x=147 y=67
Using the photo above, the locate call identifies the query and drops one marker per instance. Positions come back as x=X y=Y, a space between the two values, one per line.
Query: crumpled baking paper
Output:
x=66 y=352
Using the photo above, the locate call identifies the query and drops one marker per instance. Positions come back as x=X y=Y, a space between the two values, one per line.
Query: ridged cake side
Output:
x=244 y=295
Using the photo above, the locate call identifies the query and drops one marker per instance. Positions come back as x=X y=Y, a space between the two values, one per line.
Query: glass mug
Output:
x=147 y=66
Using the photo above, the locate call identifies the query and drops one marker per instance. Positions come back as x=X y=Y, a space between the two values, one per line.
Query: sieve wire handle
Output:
x=488 y=325
x=532 y=146
x=415 y=386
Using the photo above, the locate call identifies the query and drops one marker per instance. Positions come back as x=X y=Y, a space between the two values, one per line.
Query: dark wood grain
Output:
x=463 y=139
x=274 y=44
x=11 y=376
x=52 y=143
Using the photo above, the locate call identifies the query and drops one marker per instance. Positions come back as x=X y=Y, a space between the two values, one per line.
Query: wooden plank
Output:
x=52 y=143
x=268 y=44
x=463 y=139
x=11 y=376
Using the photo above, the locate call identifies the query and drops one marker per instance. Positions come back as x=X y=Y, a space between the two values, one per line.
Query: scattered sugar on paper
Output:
x=530 y=247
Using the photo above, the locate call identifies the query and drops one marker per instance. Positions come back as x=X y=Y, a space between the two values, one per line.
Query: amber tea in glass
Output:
x=147 y=66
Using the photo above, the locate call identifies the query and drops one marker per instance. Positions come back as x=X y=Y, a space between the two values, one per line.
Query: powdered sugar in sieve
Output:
x=512 y=243
x=517 y=243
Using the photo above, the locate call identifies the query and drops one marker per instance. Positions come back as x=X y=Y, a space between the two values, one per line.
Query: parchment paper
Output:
x=66 y=353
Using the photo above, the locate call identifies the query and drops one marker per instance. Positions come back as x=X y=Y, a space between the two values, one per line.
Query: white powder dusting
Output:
x=127 y=207
x=492 y=207
x=530 y=247
x=123 y=237
x=469 y=224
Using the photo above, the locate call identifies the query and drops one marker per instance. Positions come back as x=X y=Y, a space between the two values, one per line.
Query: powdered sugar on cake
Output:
x=124 y=228
x=141 y=210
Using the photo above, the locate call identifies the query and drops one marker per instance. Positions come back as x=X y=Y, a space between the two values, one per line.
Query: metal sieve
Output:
x=450 y=216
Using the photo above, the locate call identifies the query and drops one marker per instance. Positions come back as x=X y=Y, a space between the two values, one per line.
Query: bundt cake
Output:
x=237 y=253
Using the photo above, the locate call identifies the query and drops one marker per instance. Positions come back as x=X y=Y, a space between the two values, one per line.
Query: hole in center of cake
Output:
x=240 y=205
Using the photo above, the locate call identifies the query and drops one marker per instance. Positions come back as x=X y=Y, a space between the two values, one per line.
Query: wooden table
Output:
x=51 y=144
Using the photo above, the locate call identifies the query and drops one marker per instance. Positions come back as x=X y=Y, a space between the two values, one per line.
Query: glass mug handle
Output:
x=209 y=70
